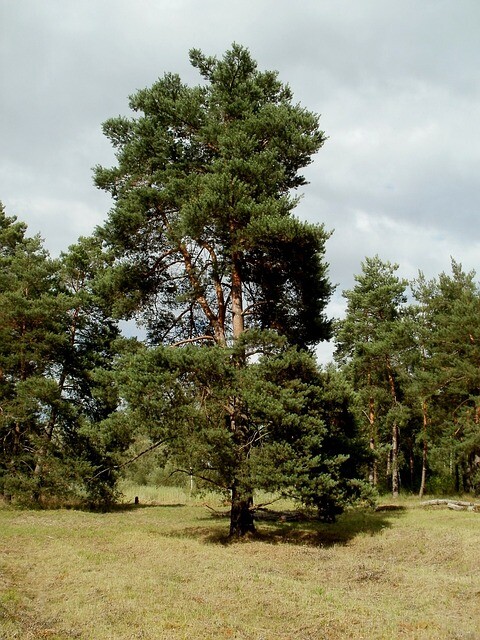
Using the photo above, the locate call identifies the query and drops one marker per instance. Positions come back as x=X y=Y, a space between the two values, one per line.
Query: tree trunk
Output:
x=241 y=515
x=373 y=473
x=17 y=434
x=425 y=450
x=238 y=323
x=457 y=478
x=395 y=434
x=43 y=449
x=395 y=480
x=412 y=465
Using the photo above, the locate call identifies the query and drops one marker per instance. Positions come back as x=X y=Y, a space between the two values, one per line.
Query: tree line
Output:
x=411 y=352
x=202 y=249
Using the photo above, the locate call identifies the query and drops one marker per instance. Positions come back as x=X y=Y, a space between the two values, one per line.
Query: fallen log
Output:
x=454 y=505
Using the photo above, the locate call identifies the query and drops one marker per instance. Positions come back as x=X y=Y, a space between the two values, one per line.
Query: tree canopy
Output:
x=202 y=219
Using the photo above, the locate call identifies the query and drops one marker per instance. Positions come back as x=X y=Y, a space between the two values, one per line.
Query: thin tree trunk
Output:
x=424 y=451
x=238 y=322
x=214 y=319
x=41 y=453
x=457 y=478
x=16 y=439
x=395 y=479
x=412 y=464
x=395 y=434
x=373 y=474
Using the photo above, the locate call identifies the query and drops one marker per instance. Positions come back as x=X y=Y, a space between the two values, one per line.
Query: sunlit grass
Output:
x=152 y=495
x=149 y=494
x=169 y=572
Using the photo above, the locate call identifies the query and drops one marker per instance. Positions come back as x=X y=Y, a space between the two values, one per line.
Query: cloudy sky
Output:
x=397 y=83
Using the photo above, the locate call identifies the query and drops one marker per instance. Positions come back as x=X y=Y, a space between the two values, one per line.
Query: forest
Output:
x=203 y=251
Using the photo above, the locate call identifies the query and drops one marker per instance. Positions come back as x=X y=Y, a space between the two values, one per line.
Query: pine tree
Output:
x=57 y=342
x=447 y=374
x=31 y=321
x=208 y=249
x=296 y=435
x=202 y=221
x=369 y=341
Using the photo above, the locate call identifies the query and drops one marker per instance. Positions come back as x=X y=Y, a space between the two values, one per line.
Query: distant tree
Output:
x=370 y=341
x=423 y=383
x=55 y=337
x=207 y=246
x=447 y=314
x=31 y=321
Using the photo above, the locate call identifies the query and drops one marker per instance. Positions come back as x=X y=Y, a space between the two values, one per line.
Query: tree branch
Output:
x=197 y=475
x=200 y=296
x=139 y=455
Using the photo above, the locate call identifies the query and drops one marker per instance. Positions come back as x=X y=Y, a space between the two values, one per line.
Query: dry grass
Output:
x=159 y=572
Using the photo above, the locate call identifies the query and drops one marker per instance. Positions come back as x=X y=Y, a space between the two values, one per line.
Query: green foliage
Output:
x=55 y=339
x=447 y=330
x=415 y=370
x=371 y=342
x=277 y=424
x=208 y=252
x=203 y=204
x=202 y=248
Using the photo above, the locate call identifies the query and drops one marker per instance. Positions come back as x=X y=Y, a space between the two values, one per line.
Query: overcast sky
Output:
x=397 y=84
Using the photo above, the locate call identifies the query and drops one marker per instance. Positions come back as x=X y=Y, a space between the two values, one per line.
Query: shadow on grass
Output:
x=306 y=532
x=130 y=506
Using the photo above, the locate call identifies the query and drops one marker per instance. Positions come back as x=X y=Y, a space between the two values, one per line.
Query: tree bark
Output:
x=214 y=320
x=395 y=479
x=241 y=515
x=424 y=451
x=395 y=434
x=238 y=322
x=373 y=474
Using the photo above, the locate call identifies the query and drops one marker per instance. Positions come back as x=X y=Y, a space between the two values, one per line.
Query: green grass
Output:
x=152 y=495
x=168 y=572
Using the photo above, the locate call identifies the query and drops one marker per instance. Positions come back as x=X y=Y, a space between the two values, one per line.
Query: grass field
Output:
x=167 y=571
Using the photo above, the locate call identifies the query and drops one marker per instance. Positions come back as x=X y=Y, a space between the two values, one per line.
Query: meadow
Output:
x=164 y=569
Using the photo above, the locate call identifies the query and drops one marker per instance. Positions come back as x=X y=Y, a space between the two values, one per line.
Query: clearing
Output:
x=167 y=572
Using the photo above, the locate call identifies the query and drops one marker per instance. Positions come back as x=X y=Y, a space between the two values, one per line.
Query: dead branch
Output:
x=219 y=514
x=189 y=472
x=139 y=455
x=197 y=339
x=265 y=504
